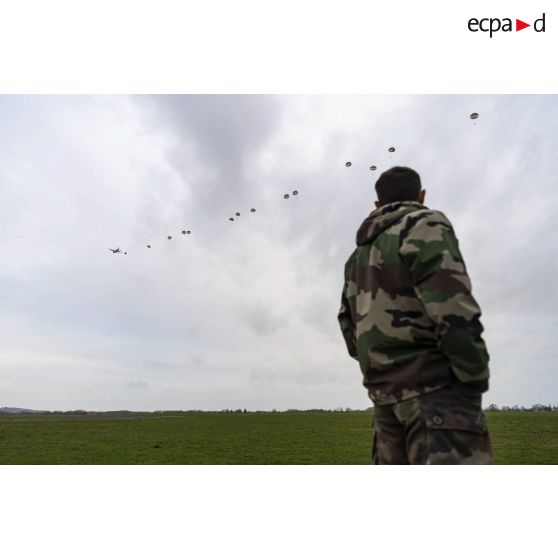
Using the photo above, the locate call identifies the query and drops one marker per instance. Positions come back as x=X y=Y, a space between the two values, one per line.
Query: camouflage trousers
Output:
x=443 y=427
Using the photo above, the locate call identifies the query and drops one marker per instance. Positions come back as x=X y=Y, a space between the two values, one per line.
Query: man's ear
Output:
x=421 y=196
x=377 y=203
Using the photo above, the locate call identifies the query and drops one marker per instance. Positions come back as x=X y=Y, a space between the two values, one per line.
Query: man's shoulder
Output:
x=424 y=219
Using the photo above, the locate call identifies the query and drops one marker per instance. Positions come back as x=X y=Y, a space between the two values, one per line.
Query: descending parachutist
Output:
x=237 y=214
x=252 y=210
x=474 y=116
x=295 y=192
x=348 y=164
x=286 y=196
x=169 y=237
x=373 y=167
x=231 y=219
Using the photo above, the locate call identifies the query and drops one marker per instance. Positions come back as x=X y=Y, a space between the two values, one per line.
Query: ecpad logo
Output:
x=494 y=24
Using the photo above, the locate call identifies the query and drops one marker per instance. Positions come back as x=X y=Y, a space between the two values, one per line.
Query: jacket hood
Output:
x=382 y=218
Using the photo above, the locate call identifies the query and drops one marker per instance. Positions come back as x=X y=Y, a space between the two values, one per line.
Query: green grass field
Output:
x=240 y=438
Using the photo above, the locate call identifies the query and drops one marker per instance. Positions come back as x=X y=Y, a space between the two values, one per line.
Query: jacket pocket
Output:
x=454 y=416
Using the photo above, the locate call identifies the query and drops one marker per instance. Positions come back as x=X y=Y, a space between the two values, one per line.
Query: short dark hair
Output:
x=398 y=184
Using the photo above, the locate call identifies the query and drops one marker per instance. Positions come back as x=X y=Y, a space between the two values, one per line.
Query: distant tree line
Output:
x=538 y=407
x=124 y=413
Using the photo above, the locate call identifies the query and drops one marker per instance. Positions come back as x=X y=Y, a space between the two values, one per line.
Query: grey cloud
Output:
x=215 y=140
x=263 y=320
x=137 y=384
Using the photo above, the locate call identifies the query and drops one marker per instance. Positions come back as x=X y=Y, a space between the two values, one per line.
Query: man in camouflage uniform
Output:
x=409 y=318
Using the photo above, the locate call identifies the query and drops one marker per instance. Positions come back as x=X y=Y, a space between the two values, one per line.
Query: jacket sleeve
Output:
x=348 y=328
x=440 y=279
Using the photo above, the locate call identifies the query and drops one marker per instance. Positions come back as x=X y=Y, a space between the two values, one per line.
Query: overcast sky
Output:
x=243 y=313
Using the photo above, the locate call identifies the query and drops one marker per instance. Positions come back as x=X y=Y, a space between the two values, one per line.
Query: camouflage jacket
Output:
x=407 y=312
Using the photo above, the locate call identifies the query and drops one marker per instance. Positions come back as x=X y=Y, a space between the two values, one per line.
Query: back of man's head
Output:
x=398 y=184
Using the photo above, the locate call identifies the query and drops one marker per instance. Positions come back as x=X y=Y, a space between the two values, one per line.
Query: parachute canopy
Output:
x=188 y=232
x=183 y=232
x=169 y=237
x=391 y=149
x=253 y=210
x=373 y=167
x=149 y=245
x=286 y=196
x=237 y=214
x=348 y=164
x=231 y=219
x=474 y=115
x=295 y=192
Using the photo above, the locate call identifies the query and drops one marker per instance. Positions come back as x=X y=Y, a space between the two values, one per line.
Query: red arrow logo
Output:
x=519 y=25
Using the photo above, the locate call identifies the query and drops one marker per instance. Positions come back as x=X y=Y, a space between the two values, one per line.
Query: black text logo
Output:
x=492 y=25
